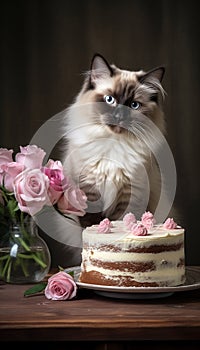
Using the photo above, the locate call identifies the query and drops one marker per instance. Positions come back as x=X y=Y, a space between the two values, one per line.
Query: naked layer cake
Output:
x=130 y=253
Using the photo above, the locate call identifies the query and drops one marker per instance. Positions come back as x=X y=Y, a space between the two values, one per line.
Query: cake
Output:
x=133 y=253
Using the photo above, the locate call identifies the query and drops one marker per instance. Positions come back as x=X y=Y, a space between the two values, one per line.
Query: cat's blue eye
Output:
x=109 y=99
x=135 y=105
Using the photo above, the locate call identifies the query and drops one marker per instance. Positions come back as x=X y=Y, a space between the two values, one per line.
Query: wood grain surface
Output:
x=92 y=317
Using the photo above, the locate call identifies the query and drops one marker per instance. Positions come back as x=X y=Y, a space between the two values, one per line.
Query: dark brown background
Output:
x=47 y=45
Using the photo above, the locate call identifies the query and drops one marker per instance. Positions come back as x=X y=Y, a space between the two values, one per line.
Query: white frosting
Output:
x=173 y=257
x=166 y=264
x=163 y=275
x=121 y=236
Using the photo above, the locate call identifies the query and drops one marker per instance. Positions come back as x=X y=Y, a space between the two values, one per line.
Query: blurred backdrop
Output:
x=46 y=46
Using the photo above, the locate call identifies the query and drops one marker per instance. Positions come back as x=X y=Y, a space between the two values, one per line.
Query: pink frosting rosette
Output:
x=105 y=226
x=148 y=220
x=129 y=219
x=170 y=224
x=139 y=229
x=60 y=286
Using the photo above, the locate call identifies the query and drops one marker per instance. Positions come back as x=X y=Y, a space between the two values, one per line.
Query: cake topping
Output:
x=105 y=226
x=139 y=229
x=148 y=220
x=170 y=224
x=129 y=219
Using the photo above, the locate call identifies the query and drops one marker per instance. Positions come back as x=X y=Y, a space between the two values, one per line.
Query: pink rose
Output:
x=5 y=156
x=72 y=201
x=105 y=226
x=57 y=180
x=148 y=220
x=30 y=188
x=60 y=286
x=1 y=177
x=54 y=164
x=11 y=170
x=139 y=230
x=170 y=224
x=30 y=156
x=57 y=183
x=129 y=219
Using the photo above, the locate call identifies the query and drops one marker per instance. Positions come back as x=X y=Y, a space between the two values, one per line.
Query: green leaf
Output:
x=38 y=288
x=12 y=206
x=71 y=273
x=2 y=210
x=16 y=208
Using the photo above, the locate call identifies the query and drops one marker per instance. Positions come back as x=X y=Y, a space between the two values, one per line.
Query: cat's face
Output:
x=121 y=98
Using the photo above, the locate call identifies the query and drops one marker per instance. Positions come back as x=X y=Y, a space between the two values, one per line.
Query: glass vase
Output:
x=24 y=255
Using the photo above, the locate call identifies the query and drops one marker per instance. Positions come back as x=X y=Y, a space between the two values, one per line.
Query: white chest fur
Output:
x=111 y=163
x=109 y=158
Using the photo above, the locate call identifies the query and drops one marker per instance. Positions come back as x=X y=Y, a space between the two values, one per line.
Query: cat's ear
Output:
x=100 y=69
x=156 y=73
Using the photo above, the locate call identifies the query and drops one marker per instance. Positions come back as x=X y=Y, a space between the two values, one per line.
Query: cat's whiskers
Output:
x=114 y=132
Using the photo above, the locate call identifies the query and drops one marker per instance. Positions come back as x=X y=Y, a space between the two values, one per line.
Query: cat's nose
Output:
x=120 y=113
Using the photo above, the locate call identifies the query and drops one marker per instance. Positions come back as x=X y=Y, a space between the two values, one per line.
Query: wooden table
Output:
x=106 y=323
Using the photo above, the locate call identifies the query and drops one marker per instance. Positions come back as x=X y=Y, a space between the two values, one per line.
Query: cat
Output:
x=109 y=133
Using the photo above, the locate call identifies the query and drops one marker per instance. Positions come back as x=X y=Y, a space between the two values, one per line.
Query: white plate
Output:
x=192 y=282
